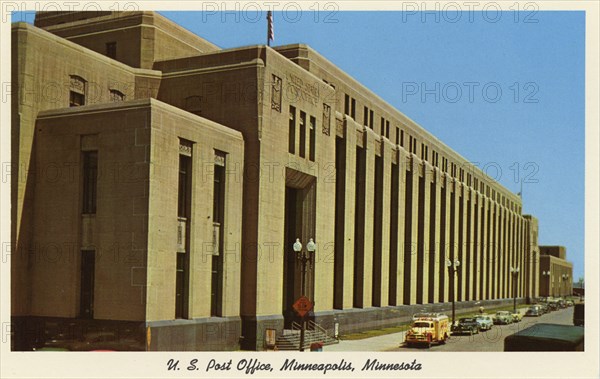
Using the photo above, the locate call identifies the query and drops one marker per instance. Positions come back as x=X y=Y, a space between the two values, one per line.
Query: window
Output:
x=397 y=136
x=311 y=139
x=387 y=129
x=218 y=232
x=77 y=91
x=111 y=50
x=302 y=146
x=184 y=201
x=382 y=127
x=182 y=198
x=366 y=116
x=90 y=181
x=402 y=138
x=116 y=95
x=292 y=131
x=347 y=104
x=193 y=104
x=353 y=109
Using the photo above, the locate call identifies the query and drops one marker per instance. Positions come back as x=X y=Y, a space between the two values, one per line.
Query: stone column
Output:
x=463 y=273
x=386 y=155
x=410 y=249
x=423 y=246
x=434 y=245
x=367 y=279
x=349 y=205
x=445 y=248
x=403 y=164
x=485 y=259
x=470 y=248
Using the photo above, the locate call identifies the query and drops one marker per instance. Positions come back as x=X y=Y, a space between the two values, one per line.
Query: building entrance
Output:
x=300 y=209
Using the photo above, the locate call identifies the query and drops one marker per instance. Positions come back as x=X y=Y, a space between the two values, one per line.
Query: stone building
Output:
x=162 y=181
x=556 y=273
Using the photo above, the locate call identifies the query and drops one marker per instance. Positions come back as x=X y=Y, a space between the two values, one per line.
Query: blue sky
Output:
x=533 y=129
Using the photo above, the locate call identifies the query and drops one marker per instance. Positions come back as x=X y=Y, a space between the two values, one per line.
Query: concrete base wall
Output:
x=205 y=334
x=29 y=332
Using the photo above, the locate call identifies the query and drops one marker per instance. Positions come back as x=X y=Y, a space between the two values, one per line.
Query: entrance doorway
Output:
x=300 y=216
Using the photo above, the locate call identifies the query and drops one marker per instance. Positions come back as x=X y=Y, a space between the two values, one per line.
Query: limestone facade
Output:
x=308 y=152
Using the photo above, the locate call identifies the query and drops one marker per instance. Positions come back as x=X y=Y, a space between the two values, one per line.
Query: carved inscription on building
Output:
x=297 y=90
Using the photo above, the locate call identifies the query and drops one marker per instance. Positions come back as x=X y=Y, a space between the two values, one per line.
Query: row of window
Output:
x=300 y=121
x=78 y=91
x=434 y=159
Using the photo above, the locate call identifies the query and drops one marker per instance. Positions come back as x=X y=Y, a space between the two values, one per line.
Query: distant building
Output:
x=556 y=273
x=160 y=183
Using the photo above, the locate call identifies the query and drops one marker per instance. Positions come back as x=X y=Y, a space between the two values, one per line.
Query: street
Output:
x=493 y=340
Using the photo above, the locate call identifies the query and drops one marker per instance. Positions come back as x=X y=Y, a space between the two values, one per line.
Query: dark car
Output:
x=553 y=306
x=533 y=312
x=466 y=325
x=544 y=307
x=546 y=337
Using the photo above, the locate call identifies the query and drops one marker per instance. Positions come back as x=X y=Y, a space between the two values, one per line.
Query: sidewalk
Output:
x=379 y=343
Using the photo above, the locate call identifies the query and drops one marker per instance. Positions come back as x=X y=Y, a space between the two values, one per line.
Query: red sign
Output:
x=302 y=306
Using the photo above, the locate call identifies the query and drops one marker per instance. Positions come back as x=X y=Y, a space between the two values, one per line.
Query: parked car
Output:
x=553 y=306
x=468 y=325
x=503 y=317
x=517 y=316
x=533 y=312
x=569 y=303
x=485 y=322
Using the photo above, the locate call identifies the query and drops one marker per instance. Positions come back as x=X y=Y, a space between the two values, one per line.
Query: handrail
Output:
x=314 y=325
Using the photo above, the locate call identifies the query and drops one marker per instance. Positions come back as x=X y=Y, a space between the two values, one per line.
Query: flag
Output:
x=270 y=31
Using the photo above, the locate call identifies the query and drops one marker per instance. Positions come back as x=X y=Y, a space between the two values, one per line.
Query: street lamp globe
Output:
x=456 y=263
x=297 y=245
x=311 y=246
x=448 y=263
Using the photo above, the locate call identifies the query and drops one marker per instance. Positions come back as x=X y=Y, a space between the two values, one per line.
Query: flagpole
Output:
x=270 y=31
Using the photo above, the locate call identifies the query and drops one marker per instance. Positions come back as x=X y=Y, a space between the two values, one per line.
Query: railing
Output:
x=314 y=326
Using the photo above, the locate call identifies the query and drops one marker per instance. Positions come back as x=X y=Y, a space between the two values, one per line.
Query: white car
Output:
x=485 y=322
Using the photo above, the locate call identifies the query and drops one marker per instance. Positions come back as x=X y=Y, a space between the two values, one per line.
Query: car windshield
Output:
x=466 y=320
x=422 y=325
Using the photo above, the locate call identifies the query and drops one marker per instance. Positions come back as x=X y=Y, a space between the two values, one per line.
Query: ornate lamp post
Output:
x=452 y=269
x=515 y=273
x=565 y=277
x=305 y=260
